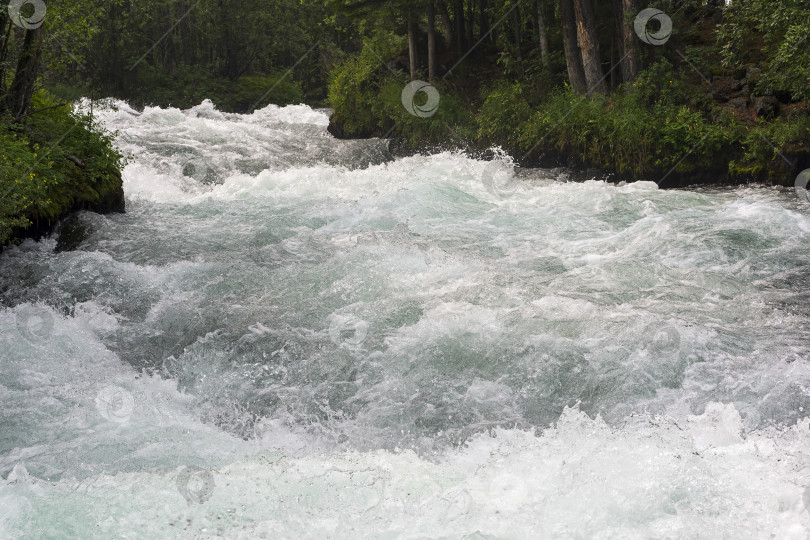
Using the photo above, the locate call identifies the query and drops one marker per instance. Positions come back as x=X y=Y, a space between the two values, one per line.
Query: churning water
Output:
x=293 y=336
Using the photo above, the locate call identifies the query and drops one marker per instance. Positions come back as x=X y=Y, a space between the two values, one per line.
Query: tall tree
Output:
x=625 y=9
x=18 y=99
x=589 y=46
x=431 y=16
x=411 y=43
x=542 y=34
x=573 y=58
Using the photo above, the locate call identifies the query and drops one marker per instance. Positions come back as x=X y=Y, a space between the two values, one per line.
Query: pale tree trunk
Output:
x=542 y=35
x=431 y=15
x=573 y=59
x=627 y=39
x=589 y=46
x=411 y=45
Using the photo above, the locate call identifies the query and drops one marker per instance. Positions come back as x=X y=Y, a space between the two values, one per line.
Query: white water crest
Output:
x=292 y=336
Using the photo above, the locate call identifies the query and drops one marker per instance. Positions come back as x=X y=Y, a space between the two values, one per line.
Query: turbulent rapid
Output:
x=292 y=336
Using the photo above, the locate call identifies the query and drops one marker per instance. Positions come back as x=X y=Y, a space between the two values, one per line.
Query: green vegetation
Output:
x=704 y=108
x=724 y=98
x=41 y=181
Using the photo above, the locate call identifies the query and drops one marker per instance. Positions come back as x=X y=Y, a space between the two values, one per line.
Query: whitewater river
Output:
x=291 y=336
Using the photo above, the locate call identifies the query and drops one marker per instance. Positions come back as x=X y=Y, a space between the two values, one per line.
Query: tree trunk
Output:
x=627 y=39
x=411 y=45
x=431 y=16
x=471 y=24
x=483 y=17
x=449 y=37
x=18 y=99
x=573 y=59
x=516 y=33
x=5 y=26
x=589 y=46
x=458 y=17
x=542 y=35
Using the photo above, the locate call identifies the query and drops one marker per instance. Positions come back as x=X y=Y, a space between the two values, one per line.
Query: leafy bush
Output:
x=55 y=162
x=784 y=27
x=188 y=87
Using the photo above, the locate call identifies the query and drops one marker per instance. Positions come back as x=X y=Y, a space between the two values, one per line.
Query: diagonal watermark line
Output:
x=693 y=66
x=34 y=166
x=367 y=46
x=169 y=31
x=781 y=155
x=481 y=39
x=67 y=51
x=683 y=158
x=253 y=107
x=573 y=108
x=387 y=133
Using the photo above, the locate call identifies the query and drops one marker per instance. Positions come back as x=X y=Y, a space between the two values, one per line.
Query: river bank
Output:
x=59 y=161
x=665 y=128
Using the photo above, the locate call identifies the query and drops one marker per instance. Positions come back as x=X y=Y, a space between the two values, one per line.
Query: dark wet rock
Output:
x=766 y=106
x=723 y=89
x=738 y=104
x=72 y=232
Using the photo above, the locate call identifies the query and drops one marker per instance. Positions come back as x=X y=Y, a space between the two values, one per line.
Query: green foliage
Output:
x=645 y=129
x=767 y=144
x=503 y=108
x=38 y=180
x=353 y=86
x=784 y=27
x=188 y=87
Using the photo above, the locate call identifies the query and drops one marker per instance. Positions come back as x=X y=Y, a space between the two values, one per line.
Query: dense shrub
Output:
x=57 y=160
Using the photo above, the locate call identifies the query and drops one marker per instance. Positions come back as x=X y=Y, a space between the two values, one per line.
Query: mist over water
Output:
x=289 y=335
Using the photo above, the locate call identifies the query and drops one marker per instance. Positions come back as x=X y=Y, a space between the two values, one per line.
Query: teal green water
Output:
x=293 y=336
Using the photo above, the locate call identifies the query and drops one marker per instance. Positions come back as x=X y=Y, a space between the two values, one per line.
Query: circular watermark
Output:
x=171 y=366
x=29 y=22
x=455 y=504
x=801 y=185
x=348 y=330
x=35 y=323
x=195 y=168
x=499 y=179
x=430 y=106
x=642 y=26
x=666 y=341
x=115 y=404
x=195 y=485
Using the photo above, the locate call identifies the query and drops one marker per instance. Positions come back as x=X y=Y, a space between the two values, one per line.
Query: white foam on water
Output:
x=292 y=336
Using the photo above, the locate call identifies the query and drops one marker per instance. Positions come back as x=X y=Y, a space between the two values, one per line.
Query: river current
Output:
x=292 y=336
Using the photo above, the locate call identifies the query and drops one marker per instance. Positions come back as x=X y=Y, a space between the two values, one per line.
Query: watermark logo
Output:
x=430 y=106
x=806 y=498
x=195 y=485
x=115 y=404
x=455 y=503
x=801 y=185
x=499 y=179
x=666 y=341
x=31 y=21
x=642 y=26
x=196 y=168
x=35 y=323
x=348 y=330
